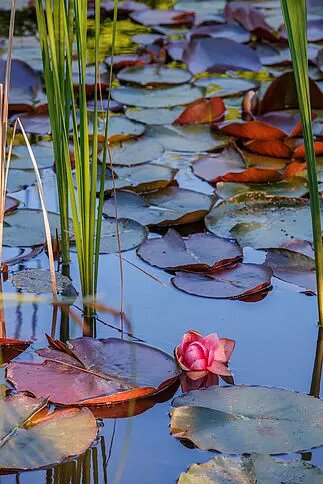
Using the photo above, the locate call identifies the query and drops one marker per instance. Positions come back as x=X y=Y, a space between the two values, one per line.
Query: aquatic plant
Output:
x=295 y=17
x=63 y=31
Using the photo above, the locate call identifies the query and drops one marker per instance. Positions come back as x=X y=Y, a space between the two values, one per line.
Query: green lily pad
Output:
x=20 y=179
x=171 y=206
x=43 y=152
x=153 y=75
x=243 y=420
x=260 y=221
x=135 y=152
x=38 y=281
x=256 y=468
x=154 y=116
x=190 y=138
x=140 y=178
x=226 y=86
x=131 y=235
x=120 y=129
x=25 y=227
x=33 y=436
x=292 y=267
x=157 y=98
x=294 y=187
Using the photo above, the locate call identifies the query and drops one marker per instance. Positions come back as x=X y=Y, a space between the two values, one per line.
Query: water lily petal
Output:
x=219 y=368
x=224 y=350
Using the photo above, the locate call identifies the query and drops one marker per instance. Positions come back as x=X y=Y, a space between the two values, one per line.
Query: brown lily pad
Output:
x=198 y=252
x=230 y=166
x=202 y=111
x=236 y=282
x=95 y=372
x=11 y=348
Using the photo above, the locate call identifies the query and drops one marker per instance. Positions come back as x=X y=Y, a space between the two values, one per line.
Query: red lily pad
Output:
x=251 y=130
x=230 y=166
x=219 y=55
x=11 y=348
x=229 y=283
x=198 y=252
x=95 y=372
x=282 y=94
x=126 y=60
x=202 y=111
x=270 y=147
x=299 y=152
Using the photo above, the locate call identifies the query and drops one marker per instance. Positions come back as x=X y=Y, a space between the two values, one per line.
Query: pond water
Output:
x=275 y=338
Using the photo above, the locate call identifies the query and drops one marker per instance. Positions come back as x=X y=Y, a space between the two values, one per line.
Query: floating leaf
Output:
x=236 y=282
x=162 y=17
x=282 y=94
x=256 y=468
x=33 y=438
x=292 y=267
x=43 y=153
x=154 y=75
x=243 y=420
x=20 y=179
x=219 y=55
x=35 y=123
x=134 y=152
x=11 y=348
x=270 y=147
x=171 y=206
x=157 y=98
x=38 y=281
x=120 y=129
x=251 y=19
x=198 y=252
x=228 y=31
x=25 y=227
x=131 y=235
x=294 y=187
x=230 y=166
x=189 y=138
x=226 y=86
x=299 y=152
x=154 y=116
x=95 y=371
x=140 y=178
x=261 y=221
x=251 y=130
x=202 y=111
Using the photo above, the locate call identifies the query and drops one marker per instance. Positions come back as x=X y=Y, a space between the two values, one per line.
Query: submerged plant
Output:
x=295 y=17
x=63 y=32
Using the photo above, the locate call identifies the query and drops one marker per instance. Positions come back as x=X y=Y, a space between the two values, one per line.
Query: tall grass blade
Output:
x=295 y=17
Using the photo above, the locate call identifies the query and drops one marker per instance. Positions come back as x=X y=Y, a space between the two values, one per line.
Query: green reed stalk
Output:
x=63 y=32
x=295 y=17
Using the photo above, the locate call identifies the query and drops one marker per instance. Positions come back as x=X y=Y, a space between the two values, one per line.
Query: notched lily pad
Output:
x=292 y=267
x=38 y=281
x=25 y=227
x=92 y=371
x=243 y=420
x=256 y=468
x=191 y=138
x=198 y=252
x=20 y=179
x=157 y=98
x=131 y=235
x=171 y=206
x=261 y=221
x=135 y=152
x=33 y=438
x=43 y=152
x=294 y=187
x=154 y=116
x=237 y=282
x=226 y=86
x=154 y=75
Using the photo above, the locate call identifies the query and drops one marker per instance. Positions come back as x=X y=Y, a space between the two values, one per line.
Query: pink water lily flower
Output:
x=199 y=354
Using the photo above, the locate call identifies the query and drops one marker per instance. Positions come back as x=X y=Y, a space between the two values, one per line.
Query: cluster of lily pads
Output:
x=181 y=114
